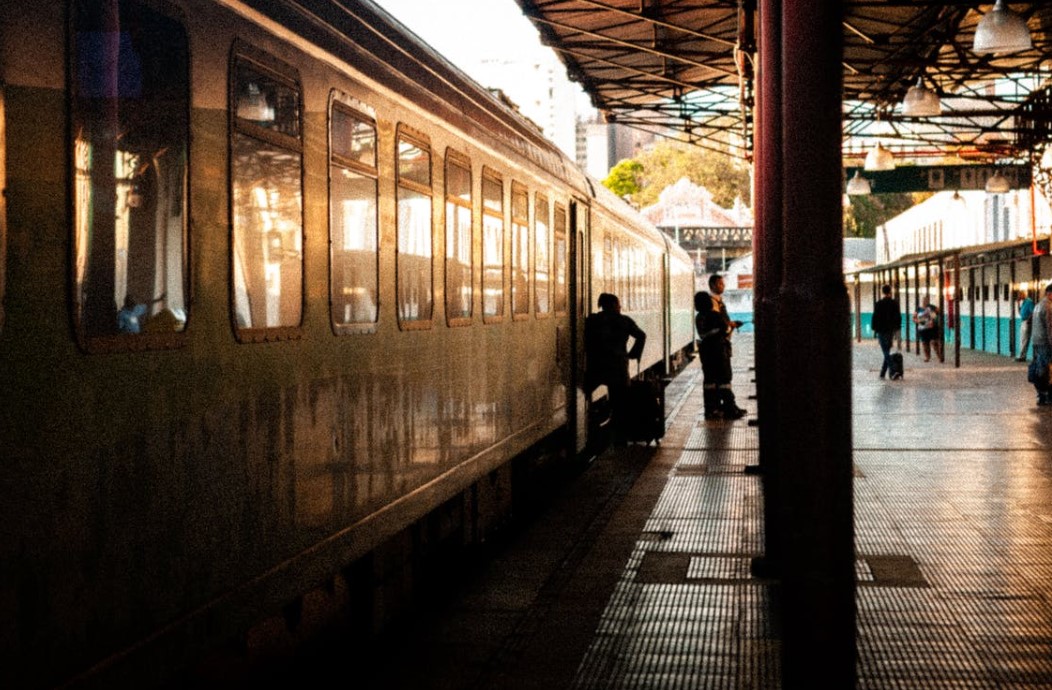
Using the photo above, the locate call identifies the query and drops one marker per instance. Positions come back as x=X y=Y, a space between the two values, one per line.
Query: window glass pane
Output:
x=492 y=247
x=414 y=163
x=130 y=110
x=520 y=251
x=268 y=235
x=458 y=241
x=414 y=256
x=353 y=139
x=354 y=256
x=543 y=249
x=560 y=260
x=267 y=102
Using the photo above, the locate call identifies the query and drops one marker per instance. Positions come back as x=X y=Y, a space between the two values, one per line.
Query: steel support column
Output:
x=767 y=264
x=814 y=361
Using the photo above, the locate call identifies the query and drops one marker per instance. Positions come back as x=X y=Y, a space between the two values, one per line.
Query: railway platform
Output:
x=637 y=573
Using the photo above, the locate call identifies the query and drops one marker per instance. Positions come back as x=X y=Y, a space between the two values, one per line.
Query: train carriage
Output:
x=288 y=303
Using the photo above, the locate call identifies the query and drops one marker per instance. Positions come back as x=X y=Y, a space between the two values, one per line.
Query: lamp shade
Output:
x=1046 y=158
x=920 y=101
x=858 y=185
x=1001 y=31
x=998 y=184
x=879 y=158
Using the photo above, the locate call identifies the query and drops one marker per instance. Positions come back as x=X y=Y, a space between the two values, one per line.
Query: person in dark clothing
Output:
x=606 y=335
x=887 y=321
x=714 y=329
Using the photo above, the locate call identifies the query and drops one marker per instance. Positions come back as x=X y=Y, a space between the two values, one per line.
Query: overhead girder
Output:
x=648 y=61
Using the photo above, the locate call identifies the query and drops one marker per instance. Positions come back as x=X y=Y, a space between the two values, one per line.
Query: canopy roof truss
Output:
x=685 y=68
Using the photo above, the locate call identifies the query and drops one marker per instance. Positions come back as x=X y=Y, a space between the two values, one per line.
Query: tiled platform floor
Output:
x=637 y=574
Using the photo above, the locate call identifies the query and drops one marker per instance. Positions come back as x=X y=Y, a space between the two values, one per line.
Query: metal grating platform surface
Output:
x=640 y=578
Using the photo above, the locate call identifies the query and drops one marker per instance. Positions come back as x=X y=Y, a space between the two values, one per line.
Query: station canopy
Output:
x=686 y=68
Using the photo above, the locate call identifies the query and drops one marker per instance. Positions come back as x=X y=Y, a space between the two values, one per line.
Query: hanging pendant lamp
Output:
x=920 y=101
x=879 y=158
x=998 y=184
x=858 y=185
x=1001 y=31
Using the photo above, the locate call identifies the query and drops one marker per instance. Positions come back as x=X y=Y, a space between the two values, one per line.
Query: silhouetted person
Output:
x=1041 y=341
x=606 y=335
x=716 y=347
x=887 y=320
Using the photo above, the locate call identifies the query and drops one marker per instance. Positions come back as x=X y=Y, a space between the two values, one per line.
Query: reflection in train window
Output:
x=267 y=203
x=520 y=251
x=560 y=259
x=352 y=212
x=492 y=246
x=130 y=112
x=458 y=239
x=543 y=258
x=414 y=248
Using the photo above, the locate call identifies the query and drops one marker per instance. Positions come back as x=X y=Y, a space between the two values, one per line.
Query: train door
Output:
x=580 y=296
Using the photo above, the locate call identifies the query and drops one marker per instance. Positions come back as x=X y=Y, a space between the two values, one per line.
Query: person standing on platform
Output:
x=927 y=320
x=723 y=395
x=606 y=335
x=1041 y=341
x=1026 y=310
x=887 y=321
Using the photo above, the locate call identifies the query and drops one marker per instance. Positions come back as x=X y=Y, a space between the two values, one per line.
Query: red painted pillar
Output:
x=767 y=263
x=814 y=360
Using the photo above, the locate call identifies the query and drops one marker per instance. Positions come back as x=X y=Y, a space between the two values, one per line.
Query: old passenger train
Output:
x=288 y=302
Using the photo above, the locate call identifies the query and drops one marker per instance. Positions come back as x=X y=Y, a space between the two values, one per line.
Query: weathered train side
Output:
x=309 y=412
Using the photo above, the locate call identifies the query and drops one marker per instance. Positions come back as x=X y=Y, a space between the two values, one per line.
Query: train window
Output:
x=492 y=246
x=542 y=253
x=266 y=169
x=130 y=123
x=520 y=251
x=352 y=218
x=415 y=229
x=559 y=238
x=459 y=239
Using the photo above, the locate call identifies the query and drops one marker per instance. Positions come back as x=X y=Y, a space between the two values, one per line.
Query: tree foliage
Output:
x=624 y=177
x=725 y=177
x=862 y=214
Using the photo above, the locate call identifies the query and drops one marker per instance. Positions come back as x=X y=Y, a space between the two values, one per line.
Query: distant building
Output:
x=712 y=234
x=541 y=92
x=949 y=220
x=601 y=146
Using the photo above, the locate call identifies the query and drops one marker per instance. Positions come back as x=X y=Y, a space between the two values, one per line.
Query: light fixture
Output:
x=998 y=184
x=253 y=105
x=858 y=185
x=1001 y=31
x=920 y=101
x=879 y=158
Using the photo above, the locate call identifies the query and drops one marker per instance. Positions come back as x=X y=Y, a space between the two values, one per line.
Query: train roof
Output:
x=365 y=35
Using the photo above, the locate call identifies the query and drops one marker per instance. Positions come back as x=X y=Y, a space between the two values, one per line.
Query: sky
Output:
x=468 y=32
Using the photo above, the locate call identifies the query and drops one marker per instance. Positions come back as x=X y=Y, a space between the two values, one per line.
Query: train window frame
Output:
x=494 y=214
x=168 y=325
x=546 y=312
x=352 y=167
x=407 y=134
x=520 y=224
x=560 y=264
x=457 y=318
x=245 y=131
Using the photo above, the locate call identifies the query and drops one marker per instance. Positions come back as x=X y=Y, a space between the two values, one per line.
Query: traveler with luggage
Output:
x=887 y=321
x=606 y=335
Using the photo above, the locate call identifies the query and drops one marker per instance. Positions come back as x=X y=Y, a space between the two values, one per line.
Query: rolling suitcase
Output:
x=645 y=413
x=895 y=371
